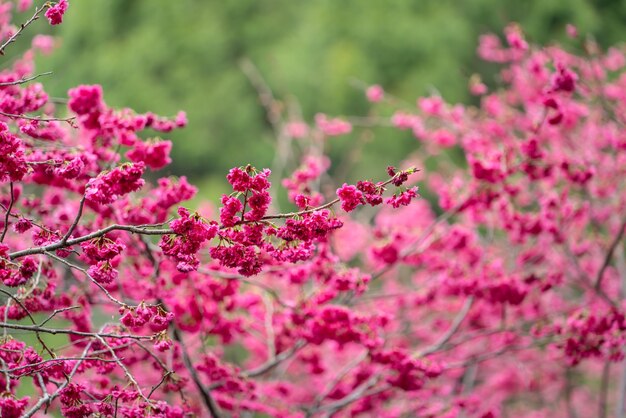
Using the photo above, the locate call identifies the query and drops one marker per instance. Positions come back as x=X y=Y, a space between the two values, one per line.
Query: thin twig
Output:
x=6 y=216
x=38 y=118
x=56 y=360
x=163 y=379
x=270 y=364
x=609 y=254
x=30 y=316
x=354 y=396
x=604 y=390
x=127 y=372
x=47 y=399
x=338 y=378
x=76 y=220
x=23 y=26
x=54 y=331
x=94 y=281
x=458 y=320
x=324 y=206
x=24 y=80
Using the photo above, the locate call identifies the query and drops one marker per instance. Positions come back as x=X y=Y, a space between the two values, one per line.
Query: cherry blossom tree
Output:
x=500 y=293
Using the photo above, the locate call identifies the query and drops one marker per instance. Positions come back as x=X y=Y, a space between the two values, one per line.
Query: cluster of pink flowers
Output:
x=300 y=185
x=155 y=155
x=191 y=232
x=503 y=284
x=15 y=274
x=12 y=161
x=55 y=13
x=100 y=254
x=366 y=192
x=109 y=186
x=332 y=126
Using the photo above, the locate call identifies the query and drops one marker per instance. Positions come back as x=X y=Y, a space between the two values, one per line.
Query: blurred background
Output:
x=166 y=56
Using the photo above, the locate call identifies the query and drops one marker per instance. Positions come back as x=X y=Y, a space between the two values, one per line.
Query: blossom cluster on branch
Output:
x=502 y=294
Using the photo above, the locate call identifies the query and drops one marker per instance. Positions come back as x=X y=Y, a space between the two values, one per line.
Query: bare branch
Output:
x=609 y=254
x=24 y=80
x=23 y=26
x=6 y=216
x=76 y=220
x=458 y=320
x=270 y=364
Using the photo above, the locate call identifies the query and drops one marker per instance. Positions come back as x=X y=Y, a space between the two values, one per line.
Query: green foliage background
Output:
x=168 y=55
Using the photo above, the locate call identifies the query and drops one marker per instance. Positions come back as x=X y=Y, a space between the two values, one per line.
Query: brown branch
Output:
x=358 y=393
x=122 y=366
x=94 y=281
x=58 y=359
x=270 y=364
x=56 y=312
x=6 y=216
x=24 y=80
x=54 y=331
x=302 y=212
x=609 y=254
x=163 y=379
x=338 y=378
x=47 y=399
x=142 y=229
x=584 y=278
x=76 y=220
x=30 y=316
x=458 y=320
x=38 y=118
x=204 y=392
x=23 y=26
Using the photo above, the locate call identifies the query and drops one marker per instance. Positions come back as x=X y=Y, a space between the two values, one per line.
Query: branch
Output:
x=23 y=26
x=586 y=280
x=609 y=254
x=75 y=223
x=143 y=230
x=24 y=79
x=163 y=379
x=204 y=392
x=274 y=110
x=302 y=212
x=458 y=320
x=129 y=376
x=6 y=216
x=94 y=281
x=30 y=316
x=49 y=398
x=53 y=331
x=59 y=360
x=422 y=239
x=354 y=396
x=326 y=205
x=270 y=364
x=331 y=385
x=38 y=118
x=604 y=390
